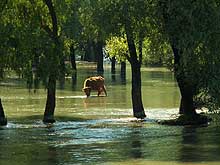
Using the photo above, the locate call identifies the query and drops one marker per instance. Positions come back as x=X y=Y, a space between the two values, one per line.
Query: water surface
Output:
x=101 y=130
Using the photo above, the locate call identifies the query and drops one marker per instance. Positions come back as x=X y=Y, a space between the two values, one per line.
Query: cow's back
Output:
x=94 y=82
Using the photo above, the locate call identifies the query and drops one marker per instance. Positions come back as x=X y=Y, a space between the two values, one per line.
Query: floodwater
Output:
x=101 y=130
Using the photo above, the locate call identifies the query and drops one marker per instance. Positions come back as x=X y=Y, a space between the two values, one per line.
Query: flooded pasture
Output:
x=101 y=130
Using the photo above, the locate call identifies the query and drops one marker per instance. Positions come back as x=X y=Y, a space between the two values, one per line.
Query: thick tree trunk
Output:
x=186 y=90
x=57 y=60
x=100 y=68
x=138 y=109
x=3 y=119
x=51 y=100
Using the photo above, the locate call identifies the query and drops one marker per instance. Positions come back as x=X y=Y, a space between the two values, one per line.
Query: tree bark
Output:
x=87 y=52
x=74 y=80
x=3 y=119
x=51 y=100
x=100 y=68
x=123 y=72
x=186 y=90
x=1 y=73
x=51 y=86
x=113 y=60
x=138 y=109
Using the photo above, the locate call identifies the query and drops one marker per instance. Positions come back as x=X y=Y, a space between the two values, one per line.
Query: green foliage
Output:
x=193 y=27
x=27 y=48
x=157 y=53
x=117 y=47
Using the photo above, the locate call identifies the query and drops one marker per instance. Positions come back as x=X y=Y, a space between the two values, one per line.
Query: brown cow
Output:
x=94 y=83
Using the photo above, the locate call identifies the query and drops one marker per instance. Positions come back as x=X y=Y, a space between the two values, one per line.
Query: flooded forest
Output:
x=109 y=82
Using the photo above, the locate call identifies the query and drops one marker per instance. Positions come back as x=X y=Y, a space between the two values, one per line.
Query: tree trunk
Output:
x=51 y=100
x=1 y=73
x=138 y=109
x=123 y=72
x=56 y=61
x=113 y=60
x=186 y=90
x=100 y=68
x=72 y=57
x=74 y=80
x=87 y=52
x=3 y=119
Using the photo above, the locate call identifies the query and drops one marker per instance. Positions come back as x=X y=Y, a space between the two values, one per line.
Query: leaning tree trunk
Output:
x=186 y=90
x=138 y=109
x=55 y=60
x=100 y=68
x=3 y=119
x=51 y=100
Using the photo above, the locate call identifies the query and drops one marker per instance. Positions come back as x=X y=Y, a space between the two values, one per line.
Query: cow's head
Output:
x=87 y=91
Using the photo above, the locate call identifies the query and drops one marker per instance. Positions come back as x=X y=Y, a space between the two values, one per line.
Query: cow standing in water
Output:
x=94 y=83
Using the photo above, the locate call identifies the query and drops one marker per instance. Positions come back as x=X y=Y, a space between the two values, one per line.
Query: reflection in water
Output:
x=188 y=151
x=136 y=144
x=52 y=155
x=94 y=101
x=199 y=144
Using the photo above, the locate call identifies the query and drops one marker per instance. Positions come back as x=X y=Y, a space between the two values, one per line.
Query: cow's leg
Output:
x=99 y=91
x=104 y=89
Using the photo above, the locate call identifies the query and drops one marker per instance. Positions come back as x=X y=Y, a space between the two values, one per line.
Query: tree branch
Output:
x=47 y=29
x=53 y=17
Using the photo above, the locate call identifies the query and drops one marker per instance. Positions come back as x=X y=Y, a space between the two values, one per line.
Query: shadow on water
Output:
x=136 y=144
x=200 y=144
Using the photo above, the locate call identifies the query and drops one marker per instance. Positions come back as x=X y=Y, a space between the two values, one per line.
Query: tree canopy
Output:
x=36 y=37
